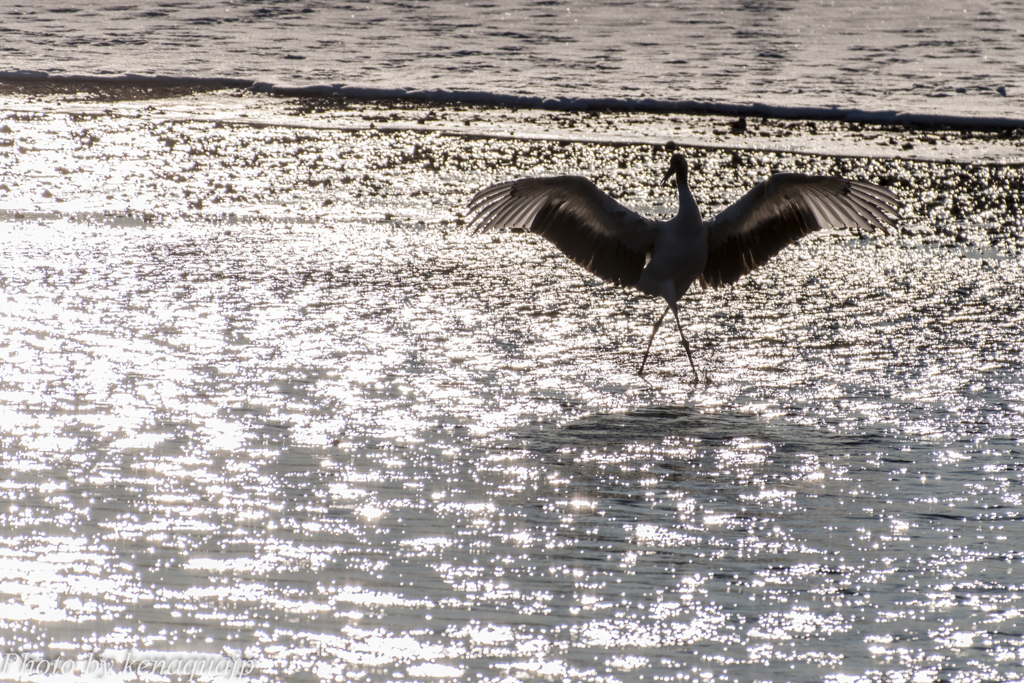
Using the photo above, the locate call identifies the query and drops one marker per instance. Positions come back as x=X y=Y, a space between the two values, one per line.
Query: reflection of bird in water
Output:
x=663 y=258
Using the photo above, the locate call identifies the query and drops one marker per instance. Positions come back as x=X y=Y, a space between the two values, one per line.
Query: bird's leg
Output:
x=651 y=341
x=686 y=344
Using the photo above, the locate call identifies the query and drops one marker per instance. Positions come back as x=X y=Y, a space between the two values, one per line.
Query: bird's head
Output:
x=677 y=166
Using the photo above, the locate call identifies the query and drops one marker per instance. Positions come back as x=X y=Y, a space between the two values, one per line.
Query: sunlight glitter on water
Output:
x=354 y=444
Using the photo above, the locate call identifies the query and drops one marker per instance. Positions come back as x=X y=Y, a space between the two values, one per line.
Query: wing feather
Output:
x=516 y=214
x=781 y=210
x=833 y=212
x=863 y=209
x=586 y=224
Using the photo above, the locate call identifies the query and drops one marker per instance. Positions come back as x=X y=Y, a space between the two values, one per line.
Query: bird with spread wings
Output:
x=663 y=258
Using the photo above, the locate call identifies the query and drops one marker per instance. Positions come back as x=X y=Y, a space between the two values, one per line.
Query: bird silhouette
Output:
x=663 y=258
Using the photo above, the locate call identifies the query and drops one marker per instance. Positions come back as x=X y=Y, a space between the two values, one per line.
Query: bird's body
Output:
x=679 y=253
x=664 y=258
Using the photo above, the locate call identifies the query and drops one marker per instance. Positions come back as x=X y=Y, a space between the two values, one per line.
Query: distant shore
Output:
x=134 y=86
x=970 y=142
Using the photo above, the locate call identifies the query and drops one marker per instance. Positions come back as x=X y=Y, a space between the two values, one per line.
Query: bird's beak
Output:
x=668 y=174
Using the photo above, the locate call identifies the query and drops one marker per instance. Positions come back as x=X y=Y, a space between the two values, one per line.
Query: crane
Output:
x=663 y=258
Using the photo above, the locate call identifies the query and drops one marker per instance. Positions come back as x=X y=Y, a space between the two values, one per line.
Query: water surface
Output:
x=264 y=397
x=885 y=57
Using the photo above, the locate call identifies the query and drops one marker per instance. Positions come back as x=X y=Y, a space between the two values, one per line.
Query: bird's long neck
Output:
x=688 y=208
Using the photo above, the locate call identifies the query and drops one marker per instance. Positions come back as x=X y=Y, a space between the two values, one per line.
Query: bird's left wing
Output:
x=589 y=227
x=781 y=210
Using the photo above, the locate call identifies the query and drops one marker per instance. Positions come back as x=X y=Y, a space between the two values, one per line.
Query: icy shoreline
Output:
x=43 y=81
x=244 y=103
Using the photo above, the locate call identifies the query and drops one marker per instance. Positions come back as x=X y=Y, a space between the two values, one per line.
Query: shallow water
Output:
x=264 y=398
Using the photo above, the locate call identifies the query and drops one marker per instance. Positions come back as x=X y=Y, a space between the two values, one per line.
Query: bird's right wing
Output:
x=781 y=210
x=589 y=227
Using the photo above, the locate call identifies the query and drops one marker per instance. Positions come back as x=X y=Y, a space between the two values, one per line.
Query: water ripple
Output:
x=351 y=439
